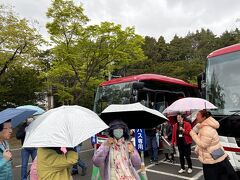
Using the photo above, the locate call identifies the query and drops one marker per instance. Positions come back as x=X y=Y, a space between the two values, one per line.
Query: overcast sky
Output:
x=149 y=17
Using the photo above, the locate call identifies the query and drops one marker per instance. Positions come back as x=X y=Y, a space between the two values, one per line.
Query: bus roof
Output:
x=226 y=50
x=150 y=77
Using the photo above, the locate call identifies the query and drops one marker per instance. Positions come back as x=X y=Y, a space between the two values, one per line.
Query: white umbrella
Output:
x=188 y=104
x=134 y=115
x=66 y=126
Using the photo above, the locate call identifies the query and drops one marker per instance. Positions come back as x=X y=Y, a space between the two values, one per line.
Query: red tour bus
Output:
x=221 y=85
x=152 y=90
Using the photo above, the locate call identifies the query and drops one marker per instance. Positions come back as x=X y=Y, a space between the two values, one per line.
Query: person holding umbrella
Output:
x=55 y=163
x=166 y=133
x=152 y=144
x=5 y=154
x=21 y=133
x=117 y=158
x=25 y=152
x=65 y=126
x=216 y=165
x=181 y=137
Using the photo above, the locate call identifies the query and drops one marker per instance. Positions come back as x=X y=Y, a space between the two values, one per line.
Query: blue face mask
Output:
x=118 y=133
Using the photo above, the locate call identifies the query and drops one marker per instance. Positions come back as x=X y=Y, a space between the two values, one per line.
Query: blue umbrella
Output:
x=16 y=115
x=31 y=107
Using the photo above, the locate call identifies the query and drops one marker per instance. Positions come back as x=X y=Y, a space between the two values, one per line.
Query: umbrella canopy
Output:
x=134 y=115
x=192 y=116
x=66 y=126
x=188 y=104
x=16 y=115
x=31 y=107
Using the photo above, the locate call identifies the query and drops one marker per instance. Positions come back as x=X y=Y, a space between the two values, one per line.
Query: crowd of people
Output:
x=53 y=163
x=117 y=158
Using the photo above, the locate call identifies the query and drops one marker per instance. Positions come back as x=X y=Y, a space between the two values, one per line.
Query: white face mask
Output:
x=118 y=133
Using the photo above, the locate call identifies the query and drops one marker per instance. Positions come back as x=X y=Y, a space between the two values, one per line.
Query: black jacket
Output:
x=20 y=134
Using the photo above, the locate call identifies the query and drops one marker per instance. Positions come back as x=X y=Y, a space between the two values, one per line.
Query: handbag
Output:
x=217 y=153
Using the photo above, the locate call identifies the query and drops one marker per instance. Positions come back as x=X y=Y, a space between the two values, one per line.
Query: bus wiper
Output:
x=236 y=112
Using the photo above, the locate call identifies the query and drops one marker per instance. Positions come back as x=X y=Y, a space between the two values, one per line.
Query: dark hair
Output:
x=182 y=115
x=133 y=132
x=115 y=124
x=2 y=125
x=205 y=113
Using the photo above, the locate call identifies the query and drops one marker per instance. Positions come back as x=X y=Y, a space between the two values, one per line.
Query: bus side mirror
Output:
x=138 y=85
x=201 y=81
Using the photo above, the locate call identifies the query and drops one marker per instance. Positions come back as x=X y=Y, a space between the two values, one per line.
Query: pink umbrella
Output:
x=188 y=104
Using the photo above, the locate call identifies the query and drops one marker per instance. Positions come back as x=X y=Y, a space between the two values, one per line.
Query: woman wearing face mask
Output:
x=116 y=157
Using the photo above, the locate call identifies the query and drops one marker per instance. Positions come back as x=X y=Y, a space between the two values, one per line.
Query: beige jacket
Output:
x=207 y=140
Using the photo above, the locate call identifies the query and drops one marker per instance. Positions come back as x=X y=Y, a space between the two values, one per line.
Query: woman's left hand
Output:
x=130 y=148
x=181 y=129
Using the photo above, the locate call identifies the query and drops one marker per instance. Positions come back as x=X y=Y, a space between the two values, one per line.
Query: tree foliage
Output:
x=19 y=44
x=84 y=54
x=183 y=57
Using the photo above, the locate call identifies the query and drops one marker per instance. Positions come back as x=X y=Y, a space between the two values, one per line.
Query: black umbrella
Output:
x=134 y=115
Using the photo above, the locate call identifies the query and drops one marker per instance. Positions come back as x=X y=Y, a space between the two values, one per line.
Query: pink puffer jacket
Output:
x=207 y=141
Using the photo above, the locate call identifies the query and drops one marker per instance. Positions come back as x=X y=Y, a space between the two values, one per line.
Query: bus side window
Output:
x=160 y=103
x=160 y=106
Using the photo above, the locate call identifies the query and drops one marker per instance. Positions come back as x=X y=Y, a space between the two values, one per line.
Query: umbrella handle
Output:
x=166 y=141
x=143 y=169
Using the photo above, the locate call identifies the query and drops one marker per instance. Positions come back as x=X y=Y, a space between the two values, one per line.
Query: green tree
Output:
x=20 y=85
x=19 y=48
x=162 y=49
x=175 y=49
x=150 y=48
x=18 y=41
x=203 y=43
x=228 y=38
x=86 y=54
x=186 y=70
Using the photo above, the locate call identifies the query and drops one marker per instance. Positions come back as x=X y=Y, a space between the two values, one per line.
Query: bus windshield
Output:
x=112 y=94
x=222 y=82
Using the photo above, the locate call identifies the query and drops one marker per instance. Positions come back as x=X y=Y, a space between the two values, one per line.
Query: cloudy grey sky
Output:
x=149 y=17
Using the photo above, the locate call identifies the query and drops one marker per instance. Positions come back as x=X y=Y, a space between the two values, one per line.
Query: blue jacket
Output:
x=5 y=166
